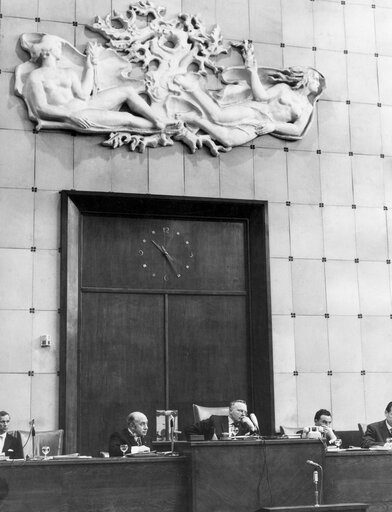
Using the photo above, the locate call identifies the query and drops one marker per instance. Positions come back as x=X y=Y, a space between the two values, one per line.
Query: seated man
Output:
x=323 y=422
x=133 y=435
x=378 y=432
x=236 y=424
x=10 y=445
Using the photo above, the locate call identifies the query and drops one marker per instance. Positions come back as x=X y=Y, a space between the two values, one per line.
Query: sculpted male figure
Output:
x=56 y=93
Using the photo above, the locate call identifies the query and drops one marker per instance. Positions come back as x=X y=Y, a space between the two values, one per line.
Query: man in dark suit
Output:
x=236 y=424
x=378 y=432
x=323 y=422
x=133 y=435
x=10 y=445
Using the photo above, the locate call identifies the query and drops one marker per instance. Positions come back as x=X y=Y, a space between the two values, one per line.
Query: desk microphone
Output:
x=246 y=421
x=317 y=493
x=32 y=427
x=253 y=419
x=313 y=464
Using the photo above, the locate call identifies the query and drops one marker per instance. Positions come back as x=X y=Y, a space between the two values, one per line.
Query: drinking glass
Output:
x=45 y=451
x=123 y=448
x=338 y=443
x=389 y=443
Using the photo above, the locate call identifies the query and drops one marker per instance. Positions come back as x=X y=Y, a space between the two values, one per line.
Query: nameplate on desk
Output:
x=196 y=437
x=142 y=454
x=71 y=456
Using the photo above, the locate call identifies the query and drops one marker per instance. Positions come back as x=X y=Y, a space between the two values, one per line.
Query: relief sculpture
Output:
x=158 y=81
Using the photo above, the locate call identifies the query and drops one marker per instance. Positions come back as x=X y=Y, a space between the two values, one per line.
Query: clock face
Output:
x=165 y=252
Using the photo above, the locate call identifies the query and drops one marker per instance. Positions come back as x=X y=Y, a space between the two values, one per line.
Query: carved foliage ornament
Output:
x=158 y=80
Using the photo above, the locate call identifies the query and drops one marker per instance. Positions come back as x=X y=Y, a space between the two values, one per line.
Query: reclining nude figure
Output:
x=56 y=93
x=282 y=104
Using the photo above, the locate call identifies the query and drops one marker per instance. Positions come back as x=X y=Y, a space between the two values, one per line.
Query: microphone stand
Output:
x=33 y=437
x=317 y=494
x=316 y=491
x=172 y=452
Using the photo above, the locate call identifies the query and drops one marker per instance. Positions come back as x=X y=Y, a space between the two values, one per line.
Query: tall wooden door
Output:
x=164 y=318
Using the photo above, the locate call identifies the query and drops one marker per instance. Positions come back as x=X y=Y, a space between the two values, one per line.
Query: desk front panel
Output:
x=95 y=485
x=245 y=475
x=363 y=476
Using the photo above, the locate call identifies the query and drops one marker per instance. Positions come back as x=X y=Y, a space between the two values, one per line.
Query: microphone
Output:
x=246 y=421
x=313 y=464
x=32 y=423
x=171 y=421
x=253 y=418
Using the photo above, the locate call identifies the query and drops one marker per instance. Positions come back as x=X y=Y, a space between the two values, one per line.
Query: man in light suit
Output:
x=133 y=435
x=214 y=426
x=10 y=445
x=378 y=432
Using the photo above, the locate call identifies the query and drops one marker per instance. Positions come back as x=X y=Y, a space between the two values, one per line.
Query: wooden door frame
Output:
x=74 y=204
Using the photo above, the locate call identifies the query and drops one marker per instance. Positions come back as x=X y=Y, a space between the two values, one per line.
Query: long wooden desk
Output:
x=217 y=476
x=96 y=485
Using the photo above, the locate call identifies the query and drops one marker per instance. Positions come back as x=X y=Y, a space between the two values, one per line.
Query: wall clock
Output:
x=167 y=245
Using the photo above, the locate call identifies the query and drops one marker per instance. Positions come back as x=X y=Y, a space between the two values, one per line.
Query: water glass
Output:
x=123 y=448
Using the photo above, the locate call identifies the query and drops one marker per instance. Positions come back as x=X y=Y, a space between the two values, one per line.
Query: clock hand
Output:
x=171 y=261
x=169 y=258
x=164 y=251
x=159 y=247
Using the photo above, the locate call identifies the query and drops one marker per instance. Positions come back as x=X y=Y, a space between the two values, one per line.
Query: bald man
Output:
x=133 y=435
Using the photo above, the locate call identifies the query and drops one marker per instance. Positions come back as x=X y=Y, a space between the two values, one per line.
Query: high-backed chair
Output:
x=51 y=438
x=290 y=431
x=200 y=412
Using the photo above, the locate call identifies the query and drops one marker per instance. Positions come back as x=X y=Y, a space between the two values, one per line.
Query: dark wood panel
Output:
x=245 y=475
x=159 y=485
x=359 y=476
x=119 y=252
x=231 y=258
x=121 y=362
x=208 y=352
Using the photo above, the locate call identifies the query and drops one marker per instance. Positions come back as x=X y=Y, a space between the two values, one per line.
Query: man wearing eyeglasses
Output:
x=10 y=445
x=235 y=424
x=133 y=435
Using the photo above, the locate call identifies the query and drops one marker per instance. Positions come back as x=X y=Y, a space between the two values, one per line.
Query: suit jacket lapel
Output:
x=7 y=443
x=385 y=431
x=130 y=438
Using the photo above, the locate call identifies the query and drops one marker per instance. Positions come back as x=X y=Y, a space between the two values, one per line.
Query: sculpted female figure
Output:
x=282 y=104
x=55 y=93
